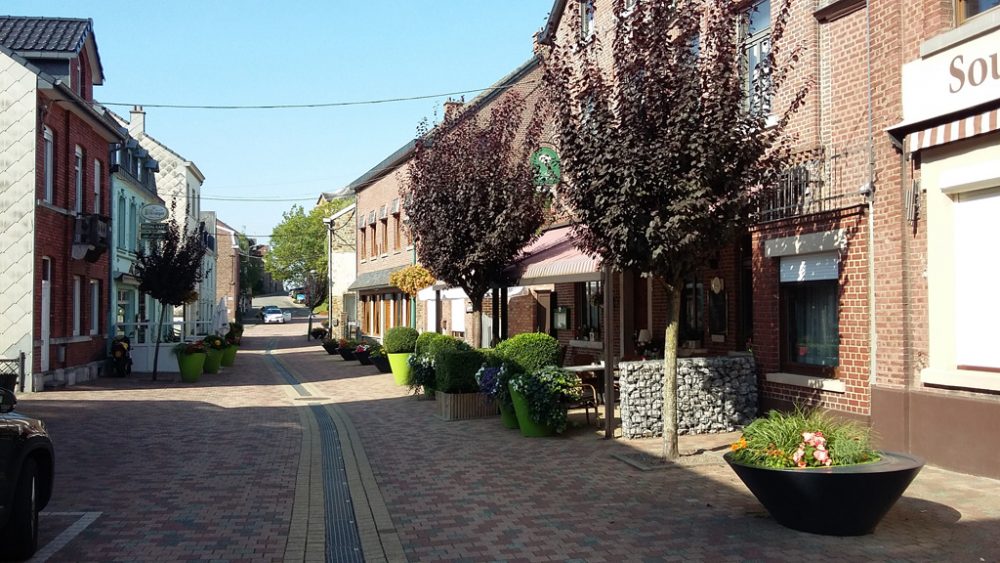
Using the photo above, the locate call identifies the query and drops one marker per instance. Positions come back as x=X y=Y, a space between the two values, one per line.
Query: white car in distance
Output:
x=271 y=314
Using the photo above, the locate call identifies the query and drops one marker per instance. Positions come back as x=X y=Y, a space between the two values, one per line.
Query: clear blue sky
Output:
x=252 y=52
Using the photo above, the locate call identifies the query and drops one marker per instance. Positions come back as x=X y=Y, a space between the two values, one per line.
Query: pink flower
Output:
x=801 y=463
x=807 y=436
x=797 y=456
x=821 y=456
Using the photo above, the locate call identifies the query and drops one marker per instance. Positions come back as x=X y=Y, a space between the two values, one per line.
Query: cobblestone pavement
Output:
x=217 y=471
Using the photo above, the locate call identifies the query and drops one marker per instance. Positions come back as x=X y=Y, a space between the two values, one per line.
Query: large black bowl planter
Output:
x=347 y=354
x=331 y=348
x=844 y=500
x=363 y=357
x=381 y=363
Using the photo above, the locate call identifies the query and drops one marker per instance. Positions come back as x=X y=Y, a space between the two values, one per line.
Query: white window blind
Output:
x=458 y=315
x=810 y=267
x=431 y=315
x=977 y=269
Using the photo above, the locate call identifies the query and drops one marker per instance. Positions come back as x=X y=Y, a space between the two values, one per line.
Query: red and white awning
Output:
x=554 y=258
x=964 y=128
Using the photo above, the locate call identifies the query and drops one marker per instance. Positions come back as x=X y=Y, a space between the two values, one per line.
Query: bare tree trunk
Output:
x=476 y=334
x=670 y=449
x=159 y=337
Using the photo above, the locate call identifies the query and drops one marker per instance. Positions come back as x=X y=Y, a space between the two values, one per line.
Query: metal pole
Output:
x=609 y=368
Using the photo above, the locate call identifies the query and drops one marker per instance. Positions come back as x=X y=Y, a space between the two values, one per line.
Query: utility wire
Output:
x=319 y=105
x=261 y=199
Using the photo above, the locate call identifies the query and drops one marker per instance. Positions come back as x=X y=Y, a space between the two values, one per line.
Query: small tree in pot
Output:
x=400 y=342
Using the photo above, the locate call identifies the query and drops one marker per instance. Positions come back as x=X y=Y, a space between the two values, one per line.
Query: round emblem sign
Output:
x=546 y=163
x=153 y=212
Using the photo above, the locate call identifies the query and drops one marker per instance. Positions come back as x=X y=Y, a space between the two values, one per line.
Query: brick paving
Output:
x=208 y=472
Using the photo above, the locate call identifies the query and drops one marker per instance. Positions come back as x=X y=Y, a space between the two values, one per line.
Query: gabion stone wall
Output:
x=714 y=394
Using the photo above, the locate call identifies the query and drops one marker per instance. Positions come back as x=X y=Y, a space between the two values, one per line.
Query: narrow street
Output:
x=296 y=455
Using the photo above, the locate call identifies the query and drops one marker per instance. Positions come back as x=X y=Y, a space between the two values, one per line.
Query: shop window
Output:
x=977 y=306
x=969 y=8
x=809 y=328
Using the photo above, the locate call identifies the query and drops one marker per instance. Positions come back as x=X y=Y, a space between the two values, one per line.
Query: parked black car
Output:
x=26 y=463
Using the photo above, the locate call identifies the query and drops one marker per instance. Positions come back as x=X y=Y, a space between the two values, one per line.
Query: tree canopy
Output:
x=665 y=151
x=299 y=243
x=470 y=198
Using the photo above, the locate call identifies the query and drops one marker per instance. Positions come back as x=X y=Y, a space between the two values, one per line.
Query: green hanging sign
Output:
x=546 y=163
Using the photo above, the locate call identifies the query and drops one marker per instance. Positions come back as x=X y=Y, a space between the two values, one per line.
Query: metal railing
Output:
x=12 y=372
x=818 y=185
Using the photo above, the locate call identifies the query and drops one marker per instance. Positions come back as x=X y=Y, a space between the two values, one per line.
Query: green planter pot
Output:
x=229 y=355
x=529 y=428
x=400 y=365
x=213 y=359
x=508 y=417
x=191 y=366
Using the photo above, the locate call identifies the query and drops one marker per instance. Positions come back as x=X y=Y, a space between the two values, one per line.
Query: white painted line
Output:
x=86 y=519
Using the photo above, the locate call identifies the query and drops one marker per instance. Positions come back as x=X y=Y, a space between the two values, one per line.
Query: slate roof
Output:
x=29 y=34
x=378 y=279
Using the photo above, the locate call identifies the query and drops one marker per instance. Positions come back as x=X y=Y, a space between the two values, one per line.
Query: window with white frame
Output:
x=970 y=8
x=49 y=163
x=122 y=220
x=976 y=310
x=586 y=19
x=95 y=306
x=756 y=33
x=97 y=186
x=78 y=180
x=77 y=282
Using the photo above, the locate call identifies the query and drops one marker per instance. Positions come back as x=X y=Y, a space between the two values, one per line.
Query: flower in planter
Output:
x=214 y=342
x=376 y=351
x=195 y=347
x=422 y=372
x=493 y=383
x=548 y=391
x=361 y=348
x=803 y=439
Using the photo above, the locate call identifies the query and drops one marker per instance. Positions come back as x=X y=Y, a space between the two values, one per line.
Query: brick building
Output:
x=342 y=237
x=848 y=302
x=227 y=268
x=54 y=214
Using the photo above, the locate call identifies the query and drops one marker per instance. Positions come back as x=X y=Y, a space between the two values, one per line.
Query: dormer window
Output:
x=970 y=8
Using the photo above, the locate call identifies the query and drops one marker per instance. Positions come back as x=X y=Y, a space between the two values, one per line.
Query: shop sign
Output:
x=153 y=212
x=954 y=79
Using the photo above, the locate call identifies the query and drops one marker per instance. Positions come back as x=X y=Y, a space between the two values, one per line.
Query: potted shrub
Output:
x=528 y=352
x=422 y=365
x=190 y=360
x=229 y=352
x=818 y=474
x=378 y=357
x=361 y=354
x=346 y=348
x=331 y=345
x=456 y=389
x=493 y=382
x=541 y=399
x=400 y=343
x=214 y=345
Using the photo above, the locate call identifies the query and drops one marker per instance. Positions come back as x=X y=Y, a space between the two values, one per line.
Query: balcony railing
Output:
x=818 y=185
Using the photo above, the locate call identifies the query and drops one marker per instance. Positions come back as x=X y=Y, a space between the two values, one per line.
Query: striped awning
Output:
x=554 y=258
x=964 y=128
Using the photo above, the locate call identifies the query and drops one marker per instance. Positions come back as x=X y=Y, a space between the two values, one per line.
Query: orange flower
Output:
x=739 y=445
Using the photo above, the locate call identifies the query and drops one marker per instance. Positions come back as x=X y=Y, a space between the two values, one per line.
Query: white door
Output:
x=46 y=308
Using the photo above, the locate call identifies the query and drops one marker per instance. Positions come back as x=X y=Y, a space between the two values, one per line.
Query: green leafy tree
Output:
x=666 y=163
x=298 y=244
x=479 y=167
x=251 y=267
x=169 y=271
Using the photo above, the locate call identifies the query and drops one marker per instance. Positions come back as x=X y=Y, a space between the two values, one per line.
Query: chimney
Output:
x=451 y=108
x=137 y=121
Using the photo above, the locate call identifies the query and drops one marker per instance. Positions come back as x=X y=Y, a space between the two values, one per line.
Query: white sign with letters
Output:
x=961 y=77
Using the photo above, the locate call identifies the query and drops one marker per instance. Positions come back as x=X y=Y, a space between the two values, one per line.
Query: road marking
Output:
x=67 y=535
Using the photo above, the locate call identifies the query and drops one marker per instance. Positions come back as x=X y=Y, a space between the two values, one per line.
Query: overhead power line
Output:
x=321 y=104
x=261 y=199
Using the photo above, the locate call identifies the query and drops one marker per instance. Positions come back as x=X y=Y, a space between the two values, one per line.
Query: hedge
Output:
x=456 y=370
x=425 y=338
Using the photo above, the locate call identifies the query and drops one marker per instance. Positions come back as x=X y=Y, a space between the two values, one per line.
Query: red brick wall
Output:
x=54 y=236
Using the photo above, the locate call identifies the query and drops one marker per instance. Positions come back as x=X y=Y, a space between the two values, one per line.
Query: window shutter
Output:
x=810 y=267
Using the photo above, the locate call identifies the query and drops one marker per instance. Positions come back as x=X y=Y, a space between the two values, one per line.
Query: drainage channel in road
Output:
x=343 y=543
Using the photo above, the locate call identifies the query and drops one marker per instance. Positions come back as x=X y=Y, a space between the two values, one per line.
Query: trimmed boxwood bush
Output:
x=400 y=340
x=530 y=351
x=456 y=370
x=420 y=348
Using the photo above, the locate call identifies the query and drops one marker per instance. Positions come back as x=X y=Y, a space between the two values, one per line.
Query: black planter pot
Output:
x=845 y=500
x=347 y=354
x=331 y=348
x=363 y=358
x=382 y=363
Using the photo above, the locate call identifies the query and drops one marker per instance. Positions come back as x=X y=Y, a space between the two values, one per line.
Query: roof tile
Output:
x=44 y=34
